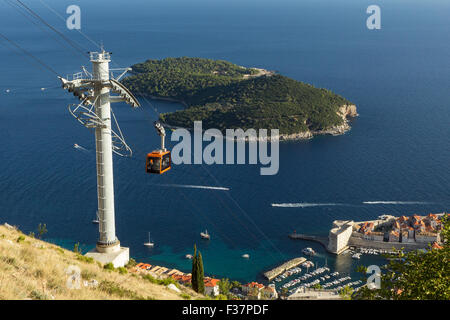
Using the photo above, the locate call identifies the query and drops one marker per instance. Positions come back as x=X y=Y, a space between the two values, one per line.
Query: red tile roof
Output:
x=435 y=245
x=254 y=284
x=211 y=282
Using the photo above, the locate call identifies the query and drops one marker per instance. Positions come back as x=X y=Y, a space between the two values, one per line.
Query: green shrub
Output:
x=9 y=260
x=85 y=259
x=42 y=229
x=88 y=275
x=109 y=266
x=185 y=296
x=114 y=289
x=20 y=239
x=76 y=248
x=122 y=270
x=39 y=273
x=131 y=263
x=165 y=281
x=36 y=295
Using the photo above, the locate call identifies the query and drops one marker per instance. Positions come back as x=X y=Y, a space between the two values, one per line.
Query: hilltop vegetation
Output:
x=182 y=78
x=224 y=95
x=34 y=269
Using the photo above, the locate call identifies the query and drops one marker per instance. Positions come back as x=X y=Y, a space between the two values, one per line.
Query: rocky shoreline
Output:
x=345 y=112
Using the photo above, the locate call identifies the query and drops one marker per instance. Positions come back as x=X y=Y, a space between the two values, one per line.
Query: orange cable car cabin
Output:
x=158 y=162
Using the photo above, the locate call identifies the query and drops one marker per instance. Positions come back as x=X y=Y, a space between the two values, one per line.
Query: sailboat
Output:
x=149 y=243
x=96 y=220
x=205 y=235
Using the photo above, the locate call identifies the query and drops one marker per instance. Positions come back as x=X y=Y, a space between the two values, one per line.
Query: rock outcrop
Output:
x=345 y=112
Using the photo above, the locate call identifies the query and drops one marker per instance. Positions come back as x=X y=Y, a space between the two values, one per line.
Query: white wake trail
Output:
x=194 y=187
x=395 y=202
x=304 y=205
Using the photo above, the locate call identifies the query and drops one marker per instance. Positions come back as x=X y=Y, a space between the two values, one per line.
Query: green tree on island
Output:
x=198 y=284
x=415 y=275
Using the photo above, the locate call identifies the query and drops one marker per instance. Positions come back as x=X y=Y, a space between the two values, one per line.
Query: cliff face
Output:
x=345 y=112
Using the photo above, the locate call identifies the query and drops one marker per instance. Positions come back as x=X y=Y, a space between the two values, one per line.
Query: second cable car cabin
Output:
x=159 y=161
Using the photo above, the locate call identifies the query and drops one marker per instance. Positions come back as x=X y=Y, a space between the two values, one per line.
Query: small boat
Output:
x=188 y=256
x=308 y=251
x=149 y=243
x=205 y=235
x=356 y=256
x=246 y=256
x=96 y=220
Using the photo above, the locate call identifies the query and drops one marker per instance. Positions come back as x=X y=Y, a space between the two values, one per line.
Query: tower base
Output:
x=118 y=257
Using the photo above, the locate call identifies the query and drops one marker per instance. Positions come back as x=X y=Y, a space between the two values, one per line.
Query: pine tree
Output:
x=194 y=271
x=200 y=275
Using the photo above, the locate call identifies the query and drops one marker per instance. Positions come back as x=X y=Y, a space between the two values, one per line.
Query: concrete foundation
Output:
x=118 y=257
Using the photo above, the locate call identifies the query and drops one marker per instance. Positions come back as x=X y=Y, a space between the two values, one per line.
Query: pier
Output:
x=272 y=274
x=322 y=240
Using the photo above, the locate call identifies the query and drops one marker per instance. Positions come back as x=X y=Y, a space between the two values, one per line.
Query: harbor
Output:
x=272 y=274
x=309 y=276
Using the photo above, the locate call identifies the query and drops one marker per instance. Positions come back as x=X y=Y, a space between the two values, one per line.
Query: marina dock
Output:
x=272 y=274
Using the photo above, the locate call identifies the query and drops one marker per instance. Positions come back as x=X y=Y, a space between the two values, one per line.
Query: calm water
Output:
x=398 y=149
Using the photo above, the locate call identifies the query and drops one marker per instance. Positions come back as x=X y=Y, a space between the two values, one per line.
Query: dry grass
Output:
x=34 y=269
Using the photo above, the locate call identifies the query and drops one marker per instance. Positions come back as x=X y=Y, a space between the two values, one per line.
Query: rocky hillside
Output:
x=34 y=269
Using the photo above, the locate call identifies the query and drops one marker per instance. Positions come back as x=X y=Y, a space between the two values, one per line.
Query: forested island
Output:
x=227 y=96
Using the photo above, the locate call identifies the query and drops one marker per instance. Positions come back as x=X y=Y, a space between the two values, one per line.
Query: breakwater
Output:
x=322 y=240
x=272 y=274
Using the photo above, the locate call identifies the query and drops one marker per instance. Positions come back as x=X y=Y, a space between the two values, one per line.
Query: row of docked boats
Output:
x=307 y=264
x=358 y=252
x=329 y=284
x=305 y=277
x=339 y=281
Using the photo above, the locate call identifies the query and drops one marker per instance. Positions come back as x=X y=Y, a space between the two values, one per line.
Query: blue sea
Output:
x=395 y=160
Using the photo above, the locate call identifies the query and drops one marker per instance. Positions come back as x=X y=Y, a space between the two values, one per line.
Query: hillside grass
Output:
x=37 y=270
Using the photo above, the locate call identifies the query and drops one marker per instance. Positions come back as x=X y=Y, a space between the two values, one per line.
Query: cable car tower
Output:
x=94 y=112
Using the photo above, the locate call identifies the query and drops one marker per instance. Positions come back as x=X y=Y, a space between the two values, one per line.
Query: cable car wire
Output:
x=39 y=61
x=63 y=19
x=27 y=15
x=236 y=217
x=78 y=49
x=246 y=215
x=73 y=44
